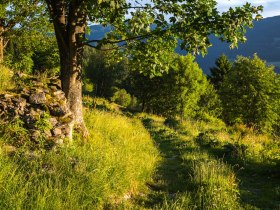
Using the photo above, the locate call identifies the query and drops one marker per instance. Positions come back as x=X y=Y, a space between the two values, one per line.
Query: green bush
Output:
x=172 y=123
x=121 y=97
x=88 y=86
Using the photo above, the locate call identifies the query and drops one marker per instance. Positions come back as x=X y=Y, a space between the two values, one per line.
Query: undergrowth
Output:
x=124 y=165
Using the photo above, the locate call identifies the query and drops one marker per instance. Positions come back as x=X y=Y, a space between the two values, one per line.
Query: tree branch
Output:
x=123 y=40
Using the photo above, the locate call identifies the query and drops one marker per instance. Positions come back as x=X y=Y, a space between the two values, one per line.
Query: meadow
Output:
x=145 y=162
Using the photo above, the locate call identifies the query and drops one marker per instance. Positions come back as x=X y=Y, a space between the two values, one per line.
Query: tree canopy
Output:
x=250 y=94
x=146 y=27
x=21 y=17
x=218 y=73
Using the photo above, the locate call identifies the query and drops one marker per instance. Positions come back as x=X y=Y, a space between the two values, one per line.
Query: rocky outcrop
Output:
x=42 y=108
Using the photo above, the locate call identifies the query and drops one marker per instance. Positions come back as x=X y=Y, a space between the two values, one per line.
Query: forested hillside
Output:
x=263 y=39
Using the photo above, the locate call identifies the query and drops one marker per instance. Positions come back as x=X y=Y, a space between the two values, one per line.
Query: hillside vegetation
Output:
x=186 y=157
x=111 y=166
x=124 y=122
x=145 y=162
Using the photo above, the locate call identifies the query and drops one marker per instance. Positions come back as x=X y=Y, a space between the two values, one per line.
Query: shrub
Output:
x=172 y=123
x=88 y=86
x=121 y=97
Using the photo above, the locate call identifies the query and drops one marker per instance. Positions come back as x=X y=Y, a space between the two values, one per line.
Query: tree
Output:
x=188 y=86
x=174 y=93
x=45 y=56
x=32 y=52
x=19 y=15
x=209 y=103
x=250 y=94
x=218 y=73
x=104 y=71
x=191 y=21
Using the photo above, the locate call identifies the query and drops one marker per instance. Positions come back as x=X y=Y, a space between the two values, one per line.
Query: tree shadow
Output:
x=172 y=174
x=259 y=183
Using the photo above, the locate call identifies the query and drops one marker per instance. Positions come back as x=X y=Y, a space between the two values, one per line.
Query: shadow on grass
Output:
x=172 y=175
x=259 y=183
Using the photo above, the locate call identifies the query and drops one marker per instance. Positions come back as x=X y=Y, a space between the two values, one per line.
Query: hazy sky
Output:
x=271 y=7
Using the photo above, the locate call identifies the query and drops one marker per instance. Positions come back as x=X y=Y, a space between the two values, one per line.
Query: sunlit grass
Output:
x=113 y=165
x=5 y=78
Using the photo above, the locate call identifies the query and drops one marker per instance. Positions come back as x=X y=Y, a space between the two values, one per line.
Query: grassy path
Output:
x=192 y=176
x=188 y=178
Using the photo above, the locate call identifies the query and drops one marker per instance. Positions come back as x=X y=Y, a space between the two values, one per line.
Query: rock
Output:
x=25 y=93
x=40 y=106
x=59 y=141
x=38 y=84
x=53 y=88
x=2 y=106
x=38 y=98
x=48 y=133
x=19 y=102
x=35 y=135
x=58 y=110
x=56 y=132
x=59 y=94
x=53 y=121
x=7 y=96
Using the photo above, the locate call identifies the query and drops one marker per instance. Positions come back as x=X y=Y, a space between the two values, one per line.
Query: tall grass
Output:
x=112 y=165
x=5 y=78
x=203 y=181
x=215 y=184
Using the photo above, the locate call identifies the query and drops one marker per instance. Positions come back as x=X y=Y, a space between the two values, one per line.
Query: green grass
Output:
x=113 y=165
x=188 y=177
x=5 y=78
x=125 y=165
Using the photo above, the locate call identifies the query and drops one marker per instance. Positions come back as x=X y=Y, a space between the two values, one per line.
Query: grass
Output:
x=113 y=165
x=5 y=78
x=188 y=177
x=125 y=165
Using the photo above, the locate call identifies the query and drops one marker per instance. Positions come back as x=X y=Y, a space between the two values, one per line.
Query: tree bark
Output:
x=1 y=49
x=2 y=44
x=70 y=24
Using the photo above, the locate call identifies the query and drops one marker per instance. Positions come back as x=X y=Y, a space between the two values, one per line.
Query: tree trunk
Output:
x=1 y=49
x=70 y=24
x=71 y=84
x=143 y=105
x=2 y=45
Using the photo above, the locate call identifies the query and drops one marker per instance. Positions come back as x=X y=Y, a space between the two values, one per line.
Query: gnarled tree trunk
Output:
x=70 y=24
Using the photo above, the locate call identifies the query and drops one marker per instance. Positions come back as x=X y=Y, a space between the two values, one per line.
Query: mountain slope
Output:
x=263 y=39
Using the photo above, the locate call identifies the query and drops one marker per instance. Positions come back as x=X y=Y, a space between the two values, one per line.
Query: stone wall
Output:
x=41 y=106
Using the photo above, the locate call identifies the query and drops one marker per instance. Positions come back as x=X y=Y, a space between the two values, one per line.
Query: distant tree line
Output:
x=245 y=91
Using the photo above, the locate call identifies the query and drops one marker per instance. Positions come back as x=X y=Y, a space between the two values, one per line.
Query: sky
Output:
x=271 y=7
